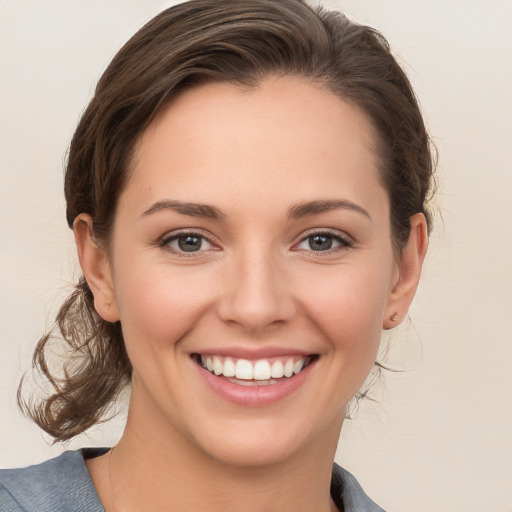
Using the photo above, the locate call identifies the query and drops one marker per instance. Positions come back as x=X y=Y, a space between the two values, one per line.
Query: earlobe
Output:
x=96 y=268
x=409 y=271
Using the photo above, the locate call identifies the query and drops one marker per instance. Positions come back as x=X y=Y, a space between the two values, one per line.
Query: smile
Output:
x=260 y=372
x=246 y=378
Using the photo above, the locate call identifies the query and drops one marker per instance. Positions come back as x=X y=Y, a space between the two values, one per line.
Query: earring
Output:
x=394 y=317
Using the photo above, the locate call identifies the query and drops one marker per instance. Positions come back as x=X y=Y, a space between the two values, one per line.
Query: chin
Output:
x=253 y=451
x=265 y=443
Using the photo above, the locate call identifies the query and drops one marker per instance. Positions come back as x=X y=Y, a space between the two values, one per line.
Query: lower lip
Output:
x=254 y=396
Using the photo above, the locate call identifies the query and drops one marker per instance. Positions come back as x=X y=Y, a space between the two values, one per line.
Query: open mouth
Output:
x=261 y=372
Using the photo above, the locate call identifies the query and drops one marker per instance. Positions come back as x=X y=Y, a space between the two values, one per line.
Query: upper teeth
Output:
x=263 y=369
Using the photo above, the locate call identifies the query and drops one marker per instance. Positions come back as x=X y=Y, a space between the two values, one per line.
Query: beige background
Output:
x=440 y=437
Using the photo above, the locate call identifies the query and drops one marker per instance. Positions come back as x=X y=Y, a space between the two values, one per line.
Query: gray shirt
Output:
x=63 y=484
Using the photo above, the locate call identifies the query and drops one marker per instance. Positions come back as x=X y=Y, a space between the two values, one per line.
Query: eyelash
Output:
x=164 y=243
x=344 y=242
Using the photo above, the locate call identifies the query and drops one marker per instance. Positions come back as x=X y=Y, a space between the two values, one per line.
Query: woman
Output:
x=248 y=192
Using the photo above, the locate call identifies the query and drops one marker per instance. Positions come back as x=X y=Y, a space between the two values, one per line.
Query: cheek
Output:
x=348 y=305
x=160 y=306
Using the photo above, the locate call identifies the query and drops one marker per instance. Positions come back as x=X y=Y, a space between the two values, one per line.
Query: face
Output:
x=253 y=238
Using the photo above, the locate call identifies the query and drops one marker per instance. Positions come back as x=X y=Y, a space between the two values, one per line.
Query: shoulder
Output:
x=61 y=484
x=348 y=494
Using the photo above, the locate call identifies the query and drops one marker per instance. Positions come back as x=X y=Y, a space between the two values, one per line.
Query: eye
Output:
x=323 y=242
x=187 y=242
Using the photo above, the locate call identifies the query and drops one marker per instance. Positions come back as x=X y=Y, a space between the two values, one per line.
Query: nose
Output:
x=256 y=294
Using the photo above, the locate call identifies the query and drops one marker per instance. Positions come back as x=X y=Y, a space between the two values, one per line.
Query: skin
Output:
x=254 y=155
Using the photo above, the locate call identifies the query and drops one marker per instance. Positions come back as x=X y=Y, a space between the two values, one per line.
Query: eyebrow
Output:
x=321 y=206
x=192 y=209
x=296 y=212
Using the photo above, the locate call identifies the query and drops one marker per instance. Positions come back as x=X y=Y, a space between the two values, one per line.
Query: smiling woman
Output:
x=247 y=190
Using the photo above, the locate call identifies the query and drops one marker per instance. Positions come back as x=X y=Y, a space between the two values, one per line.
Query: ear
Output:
x=409 y=270
x=96 y=268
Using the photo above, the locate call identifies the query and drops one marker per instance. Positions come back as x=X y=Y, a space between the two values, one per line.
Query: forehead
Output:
x=284 y=137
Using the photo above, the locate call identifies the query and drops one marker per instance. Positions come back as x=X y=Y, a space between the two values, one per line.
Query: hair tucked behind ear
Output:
x=200 y=41
x=96 y=369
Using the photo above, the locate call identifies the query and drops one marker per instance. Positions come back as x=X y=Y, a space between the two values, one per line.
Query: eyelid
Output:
x=346 y=242
x=172 y=235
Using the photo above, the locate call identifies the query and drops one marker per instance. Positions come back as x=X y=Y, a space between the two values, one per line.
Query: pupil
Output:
x=320 y=243
x=189 y=243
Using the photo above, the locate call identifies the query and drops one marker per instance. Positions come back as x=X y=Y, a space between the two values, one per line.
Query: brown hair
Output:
x=235 y=41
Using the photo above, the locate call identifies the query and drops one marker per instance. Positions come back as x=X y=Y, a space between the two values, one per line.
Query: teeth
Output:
x=252 y=383
x=229 y=368
x=244 y=370
x=297 y=367
x=277 y=371
x=217 y=366
x=263 y=371
x=288 y=368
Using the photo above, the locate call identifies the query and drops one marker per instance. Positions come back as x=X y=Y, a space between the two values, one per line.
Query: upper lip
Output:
x=253 y=353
